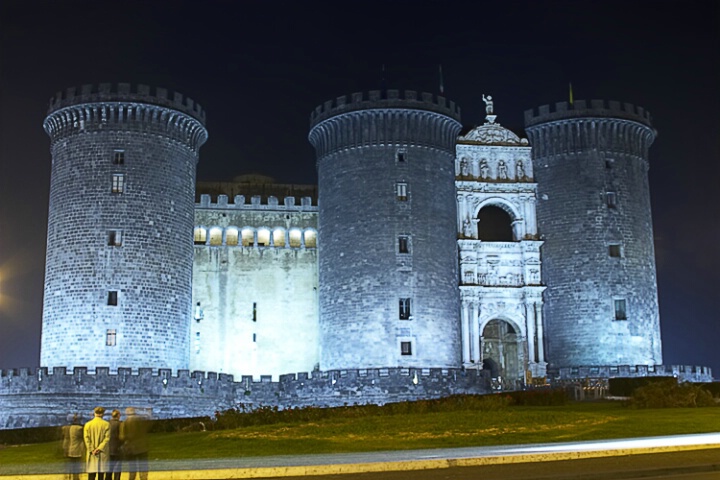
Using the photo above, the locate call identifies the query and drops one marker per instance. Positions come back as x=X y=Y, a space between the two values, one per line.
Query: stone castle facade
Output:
x=424 y=263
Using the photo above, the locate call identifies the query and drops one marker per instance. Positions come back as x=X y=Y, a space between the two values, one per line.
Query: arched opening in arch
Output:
x=199 y=236
x=263 y=237
x=494 y=225
x=279 y=237
x=216 y=236
x=310 y=239
x=247 y=237
x=501 y=353
x=295 y=238
x=231 y=236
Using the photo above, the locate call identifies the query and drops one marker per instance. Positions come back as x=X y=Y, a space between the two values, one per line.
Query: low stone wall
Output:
x=684 y=373
x=33 y=398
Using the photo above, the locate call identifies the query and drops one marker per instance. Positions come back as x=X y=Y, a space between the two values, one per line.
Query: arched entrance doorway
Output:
x=501 y=354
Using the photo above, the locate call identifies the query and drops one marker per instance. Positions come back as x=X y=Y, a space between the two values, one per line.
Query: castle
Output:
x=424 y=263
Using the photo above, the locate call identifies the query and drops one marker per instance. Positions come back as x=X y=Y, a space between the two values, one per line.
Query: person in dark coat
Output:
x=133 y=434
x=73 y=447
x=115 y=446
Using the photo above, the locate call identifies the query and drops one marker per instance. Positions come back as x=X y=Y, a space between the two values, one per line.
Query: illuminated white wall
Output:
x=255 y=289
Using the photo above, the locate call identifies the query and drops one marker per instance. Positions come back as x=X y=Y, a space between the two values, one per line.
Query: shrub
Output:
x=670 y=394
x=21 y=436
x=540 y=397
x=626 y=386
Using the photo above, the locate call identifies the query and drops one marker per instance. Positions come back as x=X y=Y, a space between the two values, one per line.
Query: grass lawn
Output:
x=511 y=425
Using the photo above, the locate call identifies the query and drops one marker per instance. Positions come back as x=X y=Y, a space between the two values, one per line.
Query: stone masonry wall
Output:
x=591 y=166
x=30 y=398
x=119 y=256
x=367 y=150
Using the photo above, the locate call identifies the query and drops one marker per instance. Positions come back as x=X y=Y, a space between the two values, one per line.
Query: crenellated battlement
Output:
x=105 y=108
x=581 y=109
x=684 y=373
x=125 y=92
x=258 y=202
x=158 y=380
x=408 y=99
x=36 y=397
x=609 y=127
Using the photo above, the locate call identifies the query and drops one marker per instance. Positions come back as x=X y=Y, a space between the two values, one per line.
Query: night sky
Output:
x=259 y=68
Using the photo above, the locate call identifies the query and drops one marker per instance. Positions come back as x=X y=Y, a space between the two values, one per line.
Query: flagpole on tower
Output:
x=442 y=85
x=571 y=94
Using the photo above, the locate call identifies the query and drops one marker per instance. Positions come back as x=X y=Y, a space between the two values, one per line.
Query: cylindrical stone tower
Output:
x=387 y=235
x=118 y=277
x=591 y=167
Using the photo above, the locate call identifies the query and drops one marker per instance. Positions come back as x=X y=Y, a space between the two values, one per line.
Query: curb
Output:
x=392 y=466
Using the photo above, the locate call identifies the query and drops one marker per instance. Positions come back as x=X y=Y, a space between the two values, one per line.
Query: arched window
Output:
x=279 y=237
x=248 y=237
x=200 y=236
x=310 y=239
x=263 y=238
x=216 y=236
x=295 y=238
x=494 y=225
x=231 y=236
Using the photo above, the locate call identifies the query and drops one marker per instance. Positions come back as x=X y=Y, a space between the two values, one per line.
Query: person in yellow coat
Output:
x=97 y=437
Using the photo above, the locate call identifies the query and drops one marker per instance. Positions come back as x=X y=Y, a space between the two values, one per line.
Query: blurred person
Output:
x=97 y=438
x=73 y=447
x=133 y=434
x=115 y=446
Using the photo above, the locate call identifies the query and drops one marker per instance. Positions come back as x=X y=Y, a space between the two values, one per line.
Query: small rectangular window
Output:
x=118 y=183
x=401 y=156
x=118 y=157
x=114 y=238
x=614 y=250
x=401 y=191
x=611 y=198
x=405 y=309
x=254 y=312
x=609 y=164
x=620 y=309
x=112 y=298
x=111 y=338
x=254 y=337
x=405 y=348
x=403 y=245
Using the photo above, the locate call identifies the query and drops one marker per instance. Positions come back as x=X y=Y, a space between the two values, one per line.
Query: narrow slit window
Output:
x=254 y=315
x=404 y=312
x=620 y=309
x=403 y=244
